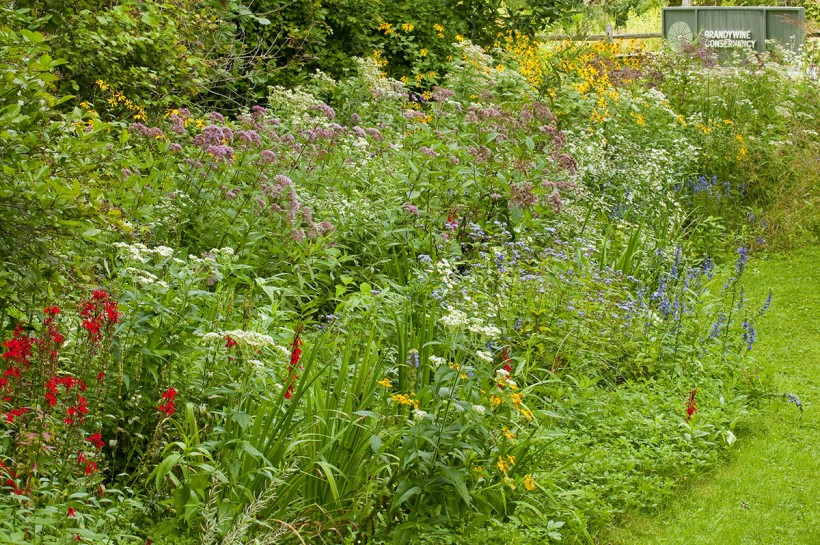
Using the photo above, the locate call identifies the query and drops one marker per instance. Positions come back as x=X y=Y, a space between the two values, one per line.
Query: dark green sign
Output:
x=727 y=29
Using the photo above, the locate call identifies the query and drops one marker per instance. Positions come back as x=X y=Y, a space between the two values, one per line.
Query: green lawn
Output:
x=768 y=489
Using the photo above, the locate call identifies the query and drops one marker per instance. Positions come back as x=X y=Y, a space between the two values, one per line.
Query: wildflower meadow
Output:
x=459 y=287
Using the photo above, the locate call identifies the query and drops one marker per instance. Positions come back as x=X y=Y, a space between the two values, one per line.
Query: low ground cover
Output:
x=767 y=489
x=363 y=314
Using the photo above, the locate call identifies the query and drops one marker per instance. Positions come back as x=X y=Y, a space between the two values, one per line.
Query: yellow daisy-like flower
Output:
x=516 y=398
x=438 y=28
x=101 y=84
x=407 y=27
x=495 y=401
x=503 y=466
x=509 y=434
x=529 y=483
x=459 y=38
x=424 y=52
x=385 y=382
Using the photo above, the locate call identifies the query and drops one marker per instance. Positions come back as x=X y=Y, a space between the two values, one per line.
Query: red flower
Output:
x=452 y=220
x=95 y=439
x=52 y=311
x=81 y=457
x=18 y=347
x=14 y=413
x=295 y=356
x=170 y=393
x=100 y=377
x=82 y=405
x=112 y=312
x=691 y=405
x=72 y=512
x=168 y=407
x=230 y=342
x=98 y=313
x=90 y=468
x=99 y=295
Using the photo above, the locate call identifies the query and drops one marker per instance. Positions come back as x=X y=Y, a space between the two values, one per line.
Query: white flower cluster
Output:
x=437 y=361
x=241 y=336
x=291 y=103
x=489 y=331
x=144 y=277
x=455 y=319
x=484 y=355
x=142 y=253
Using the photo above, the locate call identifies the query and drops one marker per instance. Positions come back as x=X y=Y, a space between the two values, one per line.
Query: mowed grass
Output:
x=767 y=491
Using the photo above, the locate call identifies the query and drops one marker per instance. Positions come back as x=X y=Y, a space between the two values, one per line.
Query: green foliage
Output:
x=359 y=315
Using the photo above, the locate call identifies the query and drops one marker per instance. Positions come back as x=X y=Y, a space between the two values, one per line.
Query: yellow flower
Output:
x=101 y=84
x=404 y=79
x=407 y=27
x=495 y=401
x=516 y=398
x=459 y=38
x=85 y=105
x=385 y=382
x=405 y=399
x=527 y=413
x=509 y=482
x=728 y=121
x=509 y=434
x=511 y=459
x=529 y=483
x=739 y=137
x=387 y=28
x=438 y=28
x=503 y=466
x=423 y=52
x=640 y=120
x=681 y=120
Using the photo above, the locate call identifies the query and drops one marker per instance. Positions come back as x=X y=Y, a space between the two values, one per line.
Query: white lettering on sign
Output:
x=727 y=34
x=725 y=39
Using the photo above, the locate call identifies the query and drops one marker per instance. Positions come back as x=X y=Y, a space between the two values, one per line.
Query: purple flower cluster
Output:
x=147 y=132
